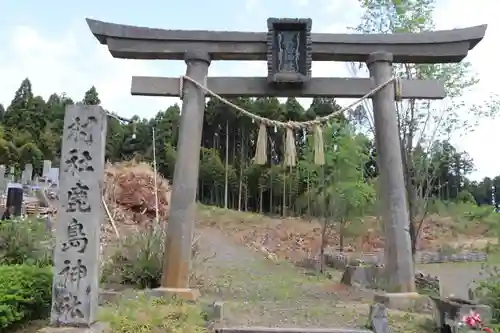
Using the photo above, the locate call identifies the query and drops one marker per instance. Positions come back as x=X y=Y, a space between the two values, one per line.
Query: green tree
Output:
x=421 y=122
x=91 y=97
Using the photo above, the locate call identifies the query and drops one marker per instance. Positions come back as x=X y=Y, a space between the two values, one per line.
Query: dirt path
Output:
x=260 y=292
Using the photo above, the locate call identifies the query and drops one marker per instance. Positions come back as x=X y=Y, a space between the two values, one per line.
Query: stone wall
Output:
x=338 y=260
x=434 y=257
x=371 y=277
x=427 y=283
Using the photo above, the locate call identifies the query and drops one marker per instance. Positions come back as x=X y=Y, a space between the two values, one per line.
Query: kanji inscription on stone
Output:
x=76 y=255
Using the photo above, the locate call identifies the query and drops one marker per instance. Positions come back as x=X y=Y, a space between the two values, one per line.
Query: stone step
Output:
x=288 y=330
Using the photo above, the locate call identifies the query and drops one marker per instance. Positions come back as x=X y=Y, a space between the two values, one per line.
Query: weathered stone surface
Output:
x=187 y=294
x=397 y=245
x=433 y=257
x=259 y=87
x=29 y=173
x=427 y=283
x=76 y=256
x=3 y=182
x=46 y=168
x=449 y=311
x=12 y=176
x=182 y=214
x=95 y=328
x=218 y=310
x=365 y=276
x=411 y=302
x=288 y=330
x=339 y=260
x=379 y=322
x=132 y=42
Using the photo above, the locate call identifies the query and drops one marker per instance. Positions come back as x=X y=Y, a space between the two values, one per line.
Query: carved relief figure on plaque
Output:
x=73 y=273
x=77 y=238
x=77 y=198
x=78 y=162
x=288 y=51
x=80 y=129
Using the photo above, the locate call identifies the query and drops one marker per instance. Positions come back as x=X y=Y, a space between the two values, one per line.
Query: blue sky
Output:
x=49 y=42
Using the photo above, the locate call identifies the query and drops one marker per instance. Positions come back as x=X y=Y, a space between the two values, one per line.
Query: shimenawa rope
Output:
x=290 y=150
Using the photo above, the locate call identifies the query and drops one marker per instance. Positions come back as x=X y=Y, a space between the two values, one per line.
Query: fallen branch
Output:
x=110 y=218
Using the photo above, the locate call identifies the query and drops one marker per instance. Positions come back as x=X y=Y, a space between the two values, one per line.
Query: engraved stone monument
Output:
x=76 y=254
x=46 y=168
x=29 y=173
x=2 y=178
x=12 y=176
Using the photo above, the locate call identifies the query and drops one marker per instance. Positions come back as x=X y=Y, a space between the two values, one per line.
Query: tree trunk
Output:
x=226 y=173
x=240 y=185
x=342 y=235
x=261 y=201
x=411 y=194
x=323 y=245
x=284 y=194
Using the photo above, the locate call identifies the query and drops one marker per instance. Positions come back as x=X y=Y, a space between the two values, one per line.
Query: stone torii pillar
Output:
x=397 y=244
x=182 y=214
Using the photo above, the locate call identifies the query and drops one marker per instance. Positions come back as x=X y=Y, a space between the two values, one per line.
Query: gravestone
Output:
x=14 y=202
x=29 y=173
x=24 y=177
x=11 y=174
x=76 y=255
x=2 y=179
x=47 y=164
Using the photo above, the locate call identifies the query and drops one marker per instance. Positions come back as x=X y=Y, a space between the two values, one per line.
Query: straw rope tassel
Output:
x=319 y=150
x=261 y=148
x=290 y=150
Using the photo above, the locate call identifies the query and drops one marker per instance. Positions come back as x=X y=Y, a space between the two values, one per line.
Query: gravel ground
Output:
x=259 y=292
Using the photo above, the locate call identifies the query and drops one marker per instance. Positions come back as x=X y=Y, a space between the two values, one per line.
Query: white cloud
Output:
x=463 y=13
x=72 y=62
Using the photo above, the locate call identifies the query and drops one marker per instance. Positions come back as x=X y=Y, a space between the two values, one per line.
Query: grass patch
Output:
x=146 y=314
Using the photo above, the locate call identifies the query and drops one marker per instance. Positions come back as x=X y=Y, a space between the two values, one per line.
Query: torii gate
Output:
x=286 y=77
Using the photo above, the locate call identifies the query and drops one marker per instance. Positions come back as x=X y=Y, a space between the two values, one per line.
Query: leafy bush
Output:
x=468 y=215
x=145 y=315
x=25 y=294
x=138 y=260
x=25 y=242
x=488 y=291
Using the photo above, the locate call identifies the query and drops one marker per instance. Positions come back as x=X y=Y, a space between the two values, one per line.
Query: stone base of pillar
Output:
x=94 y=328
x=187 y=294
x=413 y=302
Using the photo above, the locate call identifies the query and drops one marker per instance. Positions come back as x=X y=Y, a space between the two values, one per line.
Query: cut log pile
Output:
x=129 y=193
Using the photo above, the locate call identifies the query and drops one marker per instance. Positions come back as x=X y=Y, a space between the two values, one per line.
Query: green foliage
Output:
x=31 y=131
x=138 y=260
x=145 y=315
x=25 y=242
x=25 y=294
x=488 y=291
x=468 y=215
x=465 y=197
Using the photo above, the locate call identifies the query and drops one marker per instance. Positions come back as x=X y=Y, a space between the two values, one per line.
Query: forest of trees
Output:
x=31 y=129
